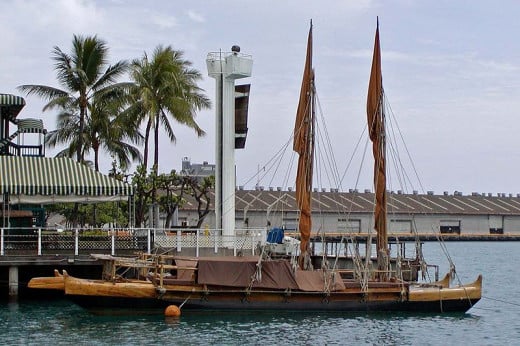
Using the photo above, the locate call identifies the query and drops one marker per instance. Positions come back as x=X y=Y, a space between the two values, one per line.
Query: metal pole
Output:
x=149 y=241
x=113 y=244
x=39 y=241
x=215 y=236
x=76 y=242
x=197 y=241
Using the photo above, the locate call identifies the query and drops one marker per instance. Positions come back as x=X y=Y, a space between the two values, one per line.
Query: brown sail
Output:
x=304 y=146
x=376 y=127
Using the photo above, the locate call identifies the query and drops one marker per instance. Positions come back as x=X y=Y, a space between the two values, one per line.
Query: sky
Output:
x=451 y=74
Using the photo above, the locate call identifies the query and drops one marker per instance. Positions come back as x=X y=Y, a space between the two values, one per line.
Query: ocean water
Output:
x=495 y=320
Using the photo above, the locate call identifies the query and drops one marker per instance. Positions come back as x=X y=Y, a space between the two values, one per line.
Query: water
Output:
x=495 y=320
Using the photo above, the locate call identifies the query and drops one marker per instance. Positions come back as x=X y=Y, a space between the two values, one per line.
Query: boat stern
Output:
x=456 y=298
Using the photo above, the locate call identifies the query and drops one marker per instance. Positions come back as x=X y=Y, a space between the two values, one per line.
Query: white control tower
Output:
x=226 y=68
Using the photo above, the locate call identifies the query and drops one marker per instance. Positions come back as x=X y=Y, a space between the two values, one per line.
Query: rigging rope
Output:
x=325 y=159
x=257 y=275
x=501 y=301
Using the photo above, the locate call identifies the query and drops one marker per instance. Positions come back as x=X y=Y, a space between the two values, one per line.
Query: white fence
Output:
x=244 y=241
x=125 y=241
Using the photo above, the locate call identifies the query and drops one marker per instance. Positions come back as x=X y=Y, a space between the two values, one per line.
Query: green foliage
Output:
x=143 y=188
x=173 y=190
x=94 y=215
x=94 y=233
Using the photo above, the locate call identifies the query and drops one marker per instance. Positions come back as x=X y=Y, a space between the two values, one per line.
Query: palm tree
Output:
x=107 y=126
x=82 y=77
x=166 y=88
x=111 y=126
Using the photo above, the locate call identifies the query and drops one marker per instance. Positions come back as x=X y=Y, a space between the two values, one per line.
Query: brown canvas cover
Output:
x=185 y=274
x=239 y=271
x=276 y=274
x=319 y=281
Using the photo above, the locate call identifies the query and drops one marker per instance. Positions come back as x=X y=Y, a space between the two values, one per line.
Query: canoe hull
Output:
x=101 y=296
x=154 y=305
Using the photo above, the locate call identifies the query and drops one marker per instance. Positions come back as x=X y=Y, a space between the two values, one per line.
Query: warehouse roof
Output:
x=363 y=202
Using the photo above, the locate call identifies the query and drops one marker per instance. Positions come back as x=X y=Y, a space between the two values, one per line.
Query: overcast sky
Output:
x=450 y=72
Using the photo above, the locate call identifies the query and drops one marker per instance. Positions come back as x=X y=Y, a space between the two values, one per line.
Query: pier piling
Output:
x=13 y=282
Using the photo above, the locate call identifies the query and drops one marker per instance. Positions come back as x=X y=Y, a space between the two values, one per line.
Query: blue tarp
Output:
x=275 y=236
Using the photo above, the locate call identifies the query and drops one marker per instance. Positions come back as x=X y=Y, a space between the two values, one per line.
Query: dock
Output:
x=407 y=237
x=39 y=252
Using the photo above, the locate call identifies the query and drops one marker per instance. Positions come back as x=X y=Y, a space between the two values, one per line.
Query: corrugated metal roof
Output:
x=363 y=202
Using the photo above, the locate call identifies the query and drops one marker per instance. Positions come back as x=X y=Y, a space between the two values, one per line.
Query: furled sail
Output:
x=304 y=146
x=376 y=127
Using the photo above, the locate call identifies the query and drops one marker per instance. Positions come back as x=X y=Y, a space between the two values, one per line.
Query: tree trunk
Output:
x=82 y=112
x=156 y=143
x=146 y=140
x=95 y=147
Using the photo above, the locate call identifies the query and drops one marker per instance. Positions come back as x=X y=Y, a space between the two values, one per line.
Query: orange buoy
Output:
x=172 y=311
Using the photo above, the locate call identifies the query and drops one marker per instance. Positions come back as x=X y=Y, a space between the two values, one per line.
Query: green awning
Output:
x=32 y=176
x=11 y=105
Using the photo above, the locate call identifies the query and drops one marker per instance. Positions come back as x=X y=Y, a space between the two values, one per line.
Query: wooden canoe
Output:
x=55 y=282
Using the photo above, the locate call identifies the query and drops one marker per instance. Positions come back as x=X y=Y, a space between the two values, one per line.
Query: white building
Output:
x=337 y=212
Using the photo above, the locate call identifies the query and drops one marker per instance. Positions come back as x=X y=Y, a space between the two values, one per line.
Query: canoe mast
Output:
x=304 y=145
x=376 y=128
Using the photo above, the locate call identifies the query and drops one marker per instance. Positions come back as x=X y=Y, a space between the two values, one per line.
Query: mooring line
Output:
x=501 y=301
x=184 y=302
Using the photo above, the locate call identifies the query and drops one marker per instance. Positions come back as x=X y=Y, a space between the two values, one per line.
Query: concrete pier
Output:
x=13 y=282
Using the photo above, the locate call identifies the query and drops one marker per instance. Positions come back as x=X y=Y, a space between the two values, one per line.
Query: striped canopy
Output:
x=30 y=125
x=42 y=176
x=11 y=105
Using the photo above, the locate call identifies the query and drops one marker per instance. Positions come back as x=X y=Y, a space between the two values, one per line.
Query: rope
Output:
x=399 y=271
x=184 y=302
x=257 y=275
x=501 y=301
